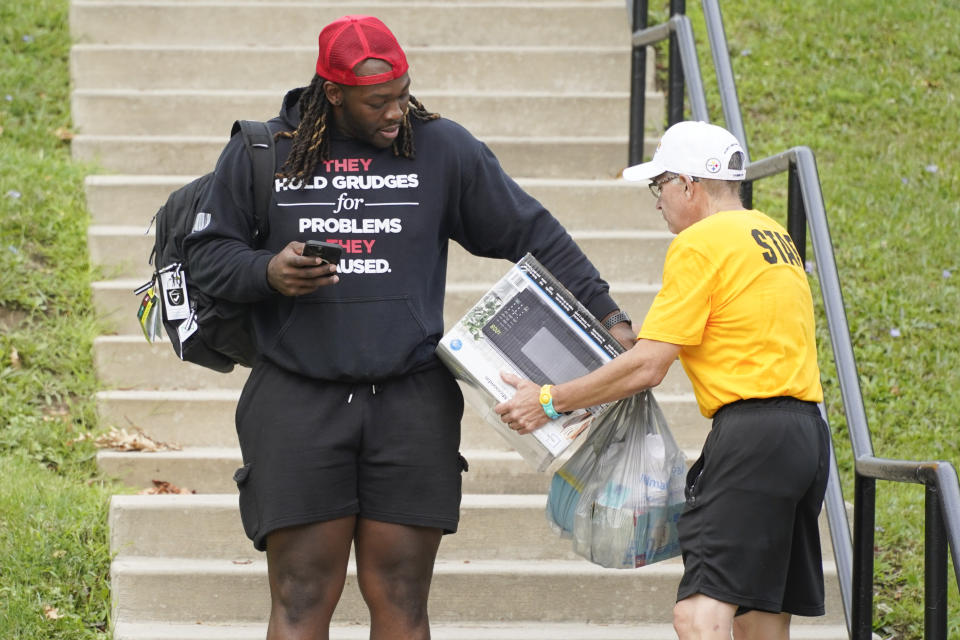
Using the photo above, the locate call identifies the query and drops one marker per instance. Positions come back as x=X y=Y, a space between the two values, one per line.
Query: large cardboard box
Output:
x=531 y=325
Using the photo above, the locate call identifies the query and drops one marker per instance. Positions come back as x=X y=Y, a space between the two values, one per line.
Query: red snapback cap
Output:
x=348 y=41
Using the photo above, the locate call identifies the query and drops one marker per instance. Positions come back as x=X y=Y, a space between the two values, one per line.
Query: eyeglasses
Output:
x=656 y=187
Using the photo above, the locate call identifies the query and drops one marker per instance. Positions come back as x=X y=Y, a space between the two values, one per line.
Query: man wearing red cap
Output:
x=349 y=424
x=735 y=307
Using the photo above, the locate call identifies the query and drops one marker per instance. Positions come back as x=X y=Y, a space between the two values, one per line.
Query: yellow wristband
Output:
x=546 y=401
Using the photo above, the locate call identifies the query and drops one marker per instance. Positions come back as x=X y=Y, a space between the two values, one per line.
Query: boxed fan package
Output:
x=531 y=325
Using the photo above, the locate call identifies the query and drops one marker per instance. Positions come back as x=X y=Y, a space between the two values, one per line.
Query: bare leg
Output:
x=760 y=625
x=702 y=618
x=394 y=569
x=307 y=568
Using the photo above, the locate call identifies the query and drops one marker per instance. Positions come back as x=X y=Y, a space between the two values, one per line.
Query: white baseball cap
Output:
x=696 y=149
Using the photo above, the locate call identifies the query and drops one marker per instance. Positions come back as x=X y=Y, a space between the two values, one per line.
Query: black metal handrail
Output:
x=684 y=66
x=942 y=499
x=805 y=207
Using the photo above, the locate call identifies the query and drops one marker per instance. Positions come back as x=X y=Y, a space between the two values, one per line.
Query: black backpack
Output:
x=216 y=333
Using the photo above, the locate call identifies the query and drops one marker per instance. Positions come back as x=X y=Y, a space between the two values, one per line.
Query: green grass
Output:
x=55 y=572
x=871 y=88
x=53 y=541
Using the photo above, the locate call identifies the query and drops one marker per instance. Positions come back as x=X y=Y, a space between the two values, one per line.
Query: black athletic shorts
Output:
x=749 y=533
x=316 y=450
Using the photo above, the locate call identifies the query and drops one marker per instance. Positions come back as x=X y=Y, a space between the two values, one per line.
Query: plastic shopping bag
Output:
x=619 y=496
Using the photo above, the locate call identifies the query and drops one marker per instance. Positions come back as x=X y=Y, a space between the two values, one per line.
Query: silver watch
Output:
x=617 y=318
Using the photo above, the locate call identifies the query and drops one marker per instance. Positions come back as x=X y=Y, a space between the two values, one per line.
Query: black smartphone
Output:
x=328 y=251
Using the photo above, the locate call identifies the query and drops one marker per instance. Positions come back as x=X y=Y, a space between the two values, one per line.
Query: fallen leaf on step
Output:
x=162 y=487
x=243 y=562
x=136 y=441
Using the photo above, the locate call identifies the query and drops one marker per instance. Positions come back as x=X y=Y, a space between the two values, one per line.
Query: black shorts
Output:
x=749 y=532
x=315 y=450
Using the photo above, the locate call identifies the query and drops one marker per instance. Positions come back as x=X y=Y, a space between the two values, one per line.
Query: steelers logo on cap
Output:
x=713 y=165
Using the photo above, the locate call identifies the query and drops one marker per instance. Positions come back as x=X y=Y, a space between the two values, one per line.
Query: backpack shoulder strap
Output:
x=258 y=140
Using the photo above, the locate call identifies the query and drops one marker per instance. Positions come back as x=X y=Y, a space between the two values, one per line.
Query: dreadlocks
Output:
x=311 y=144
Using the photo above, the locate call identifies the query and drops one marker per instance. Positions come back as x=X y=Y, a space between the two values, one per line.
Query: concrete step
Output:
x=620 y=256
x=492 y=527
x=489 y=631
x=176 y=590
x=208 y=526
x=210 y=470
x=600 y=205
x=557 y=68
x=486 y=114
x=130 y=362
x=117 y=305
x=203 y=418
x=548 y=157
x=266 y=24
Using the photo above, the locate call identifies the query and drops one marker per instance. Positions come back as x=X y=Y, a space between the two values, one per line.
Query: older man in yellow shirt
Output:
x=735 y=307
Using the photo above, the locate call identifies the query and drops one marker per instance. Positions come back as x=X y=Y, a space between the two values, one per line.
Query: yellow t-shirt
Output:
x=735 y=297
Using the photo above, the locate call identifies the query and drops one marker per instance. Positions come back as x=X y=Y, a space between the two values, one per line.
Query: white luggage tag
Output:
x=186 y=329
x=173 y=285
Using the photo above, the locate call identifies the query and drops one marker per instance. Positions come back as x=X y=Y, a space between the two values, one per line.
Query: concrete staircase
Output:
x=545 y=84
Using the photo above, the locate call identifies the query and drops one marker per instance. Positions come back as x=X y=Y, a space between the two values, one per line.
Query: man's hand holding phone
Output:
x=326 y=251
x=304 y=267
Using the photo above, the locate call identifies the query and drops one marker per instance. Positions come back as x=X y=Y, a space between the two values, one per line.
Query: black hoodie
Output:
x=394 y=217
